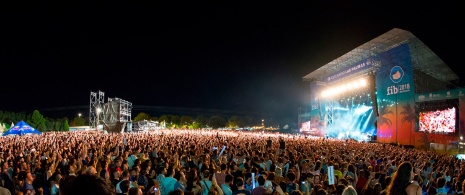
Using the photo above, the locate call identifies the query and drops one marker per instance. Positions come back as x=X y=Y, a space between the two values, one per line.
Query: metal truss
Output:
x=116 y=113
x=96 y=102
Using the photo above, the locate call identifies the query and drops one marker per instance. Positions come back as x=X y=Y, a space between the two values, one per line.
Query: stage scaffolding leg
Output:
x=329 y=105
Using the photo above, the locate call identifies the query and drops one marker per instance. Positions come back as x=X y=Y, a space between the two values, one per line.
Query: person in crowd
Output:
x=124 y=187
x=337 y=172
x=362 y=181
x=352 y=173
x=88 y=184
x=248 y=185
x=135 y=191
x=215 y=189
x=125 y=176
x=291 y=183
x=71 y=154
x=161 y=171
x=169 y=181
x=401 y=181
x=4 y=191
x=296 y=192
x=6 y=177
x=180 y=177
x=192 y=187
x=441 y=188
x=55 y=183
x=226 y=186
x=142 y=179
x=220 y=176
x=279 y=175
x=205 y=182
x=239 y=183
x=349 y=190
x=27 y=186
x=306 y=186
x=260 y=189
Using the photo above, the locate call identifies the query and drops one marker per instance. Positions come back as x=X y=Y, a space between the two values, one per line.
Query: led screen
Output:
x=438 y=121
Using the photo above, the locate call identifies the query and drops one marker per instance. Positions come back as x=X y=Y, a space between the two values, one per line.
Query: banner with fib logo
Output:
x=395 y=96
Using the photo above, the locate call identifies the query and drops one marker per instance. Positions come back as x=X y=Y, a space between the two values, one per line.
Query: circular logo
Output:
x=396 y=74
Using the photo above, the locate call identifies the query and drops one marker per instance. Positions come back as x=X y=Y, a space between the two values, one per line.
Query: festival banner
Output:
x=395 y=96
x=355 y=68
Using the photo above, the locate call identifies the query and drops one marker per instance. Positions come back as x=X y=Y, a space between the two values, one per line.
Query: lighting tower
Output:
x=96 y=102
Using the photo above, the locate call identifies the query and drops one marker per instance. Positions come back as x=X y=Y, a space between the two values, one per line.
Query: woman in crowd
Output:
x=401 y=182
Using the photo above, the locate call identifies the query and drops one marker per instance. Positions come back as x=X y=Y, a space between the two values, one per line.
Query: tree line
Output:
x=45 y=124
x=201 y=121
x=35 y=119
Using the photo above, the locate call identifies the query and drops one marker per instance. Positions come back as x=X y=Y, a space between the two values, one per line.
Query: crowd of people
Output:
x=213 y=162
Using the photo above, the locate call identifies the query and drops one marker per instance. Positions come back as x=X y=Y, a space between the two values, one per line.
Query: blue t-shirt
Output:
x=27 y=187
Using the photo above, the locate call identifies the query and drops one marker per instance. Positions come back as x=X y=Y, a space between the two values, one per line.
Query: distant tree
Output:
x=5 y=117
x=175 y=120
x=49 y=124
x=234 y=121
x=248 y=121
x=164 y=118
x=57 y=125
x=201 y=121
x=65 y=125
x=216 y=122
x=38 y=121
x=142 y=116
x=186 y=121
x=78 y=121
x=16 y=117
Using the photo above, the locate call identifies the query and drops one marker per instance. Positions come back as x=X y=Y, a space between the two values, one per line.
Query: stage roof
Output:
x=423 y=59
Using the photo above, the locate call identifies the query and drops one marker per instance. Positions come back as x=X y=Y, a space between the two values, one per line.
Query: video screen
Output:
x=438 y=121
x=306 y=126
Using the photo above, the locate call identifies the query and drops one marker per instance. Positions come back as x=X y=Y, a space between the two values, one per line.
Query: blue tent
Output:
x=21 y=128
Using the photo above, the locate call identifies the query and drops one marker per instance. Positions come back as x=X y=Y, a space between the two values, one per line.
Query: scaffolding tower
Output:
x=116 y=115
x=96 y=104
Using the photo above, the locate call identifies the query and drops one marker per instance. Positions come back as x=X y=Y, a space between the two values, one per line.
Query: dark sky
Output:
x=219 y=56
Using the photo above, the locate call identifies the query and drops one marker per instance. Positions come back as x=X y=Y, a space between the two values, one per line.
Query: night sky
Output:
x=213 y=57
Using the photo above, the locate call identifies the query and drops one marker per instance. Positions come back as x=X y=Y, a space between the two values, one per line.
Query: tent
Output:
x=21 y=128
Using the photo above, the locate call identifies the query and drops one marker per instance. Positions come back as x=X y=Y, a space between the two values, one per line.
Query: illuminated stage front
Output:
x=388 y=91
x=344 y=111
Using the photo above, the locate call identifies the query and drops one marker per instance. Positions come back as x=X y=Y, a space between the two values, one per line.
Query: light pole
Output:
x=79 y=115
x=98 y=116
